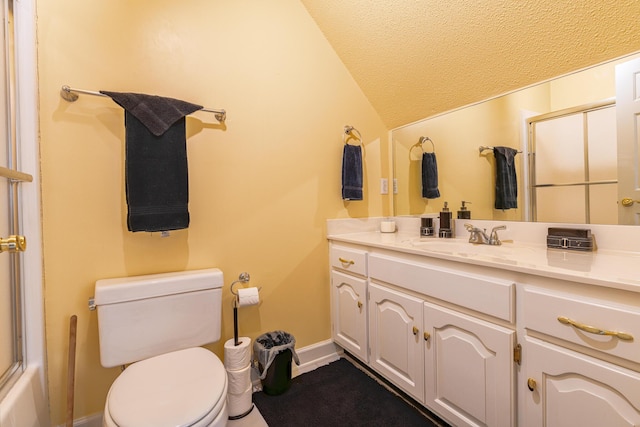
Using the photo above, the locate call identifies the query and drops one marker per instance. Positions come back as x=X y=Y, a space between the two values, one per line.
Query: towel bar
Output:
x=71 y=94
x=486 y=147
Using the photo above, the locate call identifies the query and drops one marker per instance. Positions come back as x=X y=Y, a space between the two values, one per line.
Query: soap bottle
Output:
x=464 y=213
x=446 y=222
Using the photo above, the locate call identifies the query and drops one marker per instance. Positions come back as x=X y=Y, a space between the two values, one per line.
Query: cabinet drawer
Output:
x=601 y=325
x=349 y=259
x=484 y=294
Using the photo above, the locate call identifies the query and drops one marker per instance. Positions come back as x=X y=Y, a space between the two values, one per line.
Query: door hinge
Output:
x=517 y=354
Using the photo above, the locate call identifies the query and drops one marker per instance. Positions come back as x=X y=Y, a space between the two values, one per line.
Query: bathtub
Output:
x=25 y=404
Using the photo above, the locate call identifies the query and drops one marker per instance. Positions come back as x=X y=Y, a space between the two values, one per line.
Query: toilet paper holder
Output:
x=243 y=278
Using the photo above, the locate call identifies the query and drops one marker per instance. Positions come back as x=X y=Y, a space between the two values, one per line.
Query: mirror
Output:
x=465 y=171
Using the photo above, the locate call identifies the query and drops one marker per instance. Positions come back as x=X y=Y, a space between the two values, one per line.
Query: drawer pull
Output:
x=346 y=261
x=593 y=330
x=415 y=331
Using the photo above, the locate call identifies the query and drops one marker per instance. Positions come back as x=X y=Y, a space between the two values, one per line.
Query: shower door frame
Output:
x=10 y=372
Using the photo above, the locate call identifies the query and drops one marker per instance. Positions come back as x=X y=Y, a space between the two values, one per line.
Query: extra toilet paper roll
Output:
x=237 y=357
x=248 y=296
x=239 y=380
x=239 y=403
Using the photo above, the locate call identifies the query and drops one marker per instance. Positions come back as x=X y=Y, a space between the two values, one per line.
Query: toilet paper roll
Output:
x=239 y=380
x=248 y=296
x=237 y=357
x=239 y=403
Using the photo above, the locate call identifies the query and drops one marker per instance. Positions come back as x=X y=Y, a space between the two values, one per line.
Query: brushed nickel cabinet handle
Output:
x=593 y=330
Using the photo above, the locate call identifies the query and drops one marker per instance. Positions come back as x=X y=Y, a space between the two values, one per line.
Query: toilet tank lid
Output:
x=122 y=289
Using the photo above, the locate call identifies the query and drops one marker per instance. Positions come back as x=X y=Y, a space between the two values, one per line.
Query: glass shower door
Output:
x=9 y=354
x=10 y=179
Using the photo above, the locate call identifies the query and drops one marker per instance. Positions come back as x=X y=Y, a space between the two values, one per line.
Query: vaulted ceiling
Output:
x=418 y=58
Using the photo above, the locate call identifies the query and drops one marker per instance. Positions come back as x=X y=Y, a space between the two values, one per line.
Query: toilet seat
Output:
x=182 y=388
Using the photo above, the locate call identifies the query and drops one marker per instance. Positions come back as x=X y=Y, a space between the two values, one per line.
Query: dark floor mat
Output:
x=338 y=394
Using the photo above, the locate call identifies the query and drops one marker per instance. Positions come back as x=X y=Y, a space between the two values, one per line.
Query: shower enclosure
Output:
x=23 y=395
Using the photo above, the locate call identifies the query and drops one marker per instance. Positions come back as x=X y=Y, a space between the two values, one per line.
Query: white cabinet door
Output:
x=572 y=389
x=350 y=313
x=395 y=326
x=469 y=369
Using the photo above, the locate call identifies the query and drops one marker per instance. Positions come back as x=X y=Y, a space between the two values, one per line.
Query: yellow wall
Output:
x=261 y=187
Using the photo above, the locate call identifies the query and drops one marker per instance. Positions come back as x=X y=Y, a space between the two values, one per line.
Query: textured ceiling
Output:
x=417 y=58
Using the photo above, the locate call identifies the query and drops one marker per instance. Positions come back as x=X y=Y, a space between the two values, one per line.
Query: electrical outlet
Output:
x=384 y=186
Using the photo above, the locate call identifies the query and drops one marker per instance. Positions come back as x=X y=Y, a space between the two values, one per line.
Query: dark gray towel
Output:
x=156 y=174
x=430 y=176
x=506 y=180
x=157 y=113
x=352 y=172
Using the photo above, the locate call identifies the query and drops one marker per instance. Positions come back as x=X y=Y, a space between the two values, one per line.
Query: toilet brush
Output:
x=71 y=368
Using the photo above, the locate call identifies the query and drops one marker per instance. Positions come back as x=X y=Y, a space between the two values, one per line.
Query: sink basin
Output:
x=462 y=247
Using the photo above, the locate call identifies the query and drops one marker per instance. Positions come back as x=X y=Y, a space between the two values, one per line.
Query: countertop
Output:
x=602 y=267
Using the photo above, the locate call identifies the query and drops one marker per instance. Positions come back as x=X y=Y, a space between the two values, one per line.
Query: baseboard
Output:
x=311 y=357
x=94 y=420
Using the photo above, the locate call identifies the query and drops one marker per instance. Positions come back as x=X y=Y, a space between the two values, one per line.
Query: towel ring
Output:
x=424 y=139
x=421 y=142
x=349 y=133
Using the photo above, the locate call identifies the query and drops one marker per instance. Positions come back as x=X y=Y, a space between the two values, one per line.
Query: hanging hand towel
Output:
x=156 y=175
x=430 y=176
x=352 y=172
x=506 y=181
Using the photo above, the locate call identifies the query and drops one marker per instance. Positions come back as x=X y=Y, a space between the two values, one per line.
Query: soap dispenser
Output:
x=464 y=213
x=446 y=222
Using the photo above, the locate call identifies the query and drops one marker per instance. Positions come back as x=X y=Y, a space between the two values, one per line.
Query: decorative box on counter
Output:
x=570 y=238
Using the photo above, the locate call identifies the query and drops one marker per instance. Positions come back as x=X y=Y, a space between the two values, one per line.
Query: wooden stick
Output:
x=71 y=368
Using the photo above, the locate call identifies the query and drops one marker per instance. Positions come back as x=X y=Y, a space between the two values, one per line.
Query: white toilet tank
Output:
x=144 y=316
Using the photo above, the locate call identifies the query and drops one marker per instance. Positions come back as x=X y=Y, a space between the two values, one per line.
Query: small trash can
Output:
x=274 y=352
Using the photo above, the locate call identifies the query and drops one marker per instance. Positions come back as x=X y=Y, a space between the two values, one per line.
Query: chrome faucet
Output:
x=478 y=236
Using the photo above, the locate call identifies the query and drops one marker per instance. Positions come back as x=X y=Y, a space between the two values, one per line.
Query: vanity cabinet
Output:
x=447 y=332
x=567 y=389
x=349 y=300
x=575 y=351
x=469 y=368
x=430 y=335
x=396 y=339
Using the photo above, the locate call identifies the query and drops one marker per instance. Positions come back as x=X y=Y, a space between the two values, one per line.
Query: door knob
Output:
x=13 y=244
x=531 y=383
x=627 y=201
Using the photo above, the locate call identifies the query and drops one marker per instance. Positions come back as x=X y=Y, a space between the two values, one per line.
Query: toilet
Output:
x=156 y=324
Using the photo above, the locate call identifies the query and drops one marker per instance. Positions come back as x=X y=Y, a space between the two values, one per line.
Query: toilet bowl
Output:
x=182 y=388
x=157 y=323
